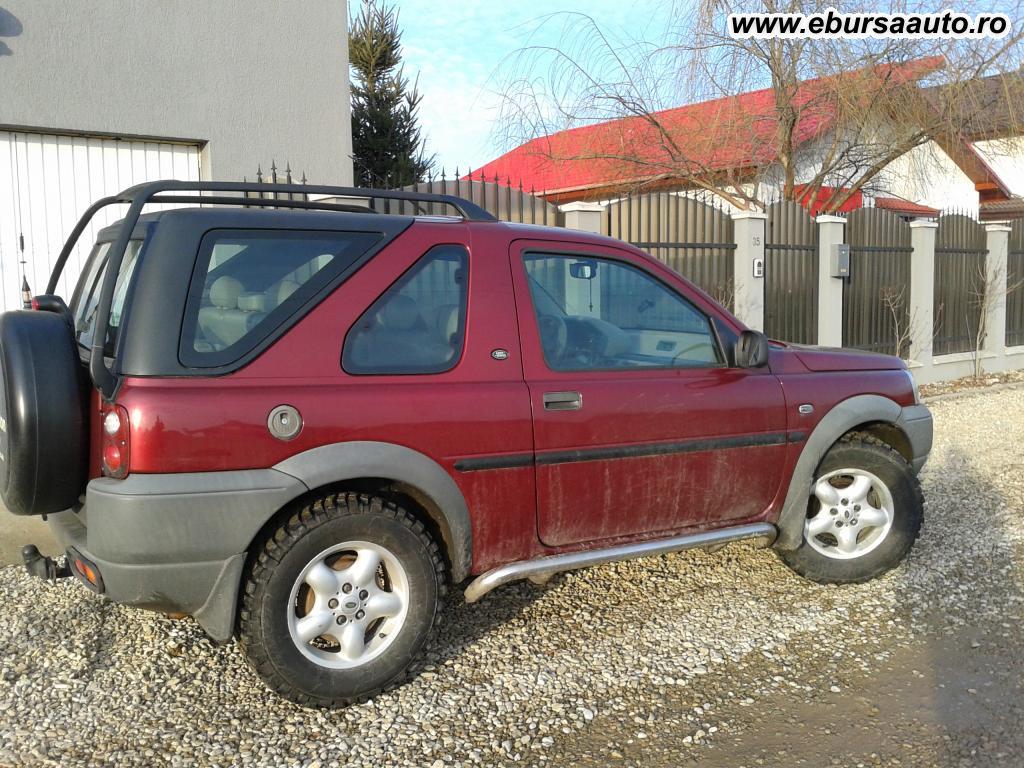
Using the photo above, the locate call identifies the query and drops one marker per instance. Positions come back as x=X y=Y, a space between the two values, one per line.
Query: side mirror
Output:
x=583 y=270
x=751 y=350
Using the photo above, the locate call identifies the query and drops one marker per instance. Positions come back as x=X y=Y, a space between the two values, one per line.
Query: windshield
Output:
x=87 y=294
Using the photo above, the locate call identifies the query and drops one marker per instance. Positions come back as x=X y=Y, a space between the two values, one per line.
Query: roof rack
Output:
x=151 y=192
x=191 y=192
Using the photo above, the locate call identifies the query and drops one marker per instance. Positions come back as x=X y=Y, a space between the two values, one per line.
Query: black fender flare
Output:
x=360 y=459
x=843 y=417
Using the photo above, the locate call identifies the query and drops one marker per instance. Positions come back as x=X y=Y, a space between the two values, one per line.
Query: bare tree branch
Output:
x=832 y=115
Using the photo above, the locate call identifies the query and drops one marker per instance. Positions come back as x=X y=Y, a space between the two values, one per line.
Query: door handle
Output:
x=563 y=401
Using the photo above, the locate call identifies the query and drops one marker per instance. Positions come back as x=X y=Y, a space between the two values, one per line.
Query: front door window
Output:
x=600 y=314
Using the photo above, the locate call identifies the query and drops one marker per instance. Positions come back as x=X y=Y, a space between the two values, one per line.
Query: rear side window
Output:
x=418 y=325
x=87 y=295
x=248 y=282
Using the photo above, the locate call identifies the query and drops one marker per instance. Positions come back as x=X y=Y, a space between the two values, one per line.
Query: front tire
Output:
x=341 y=599
x=863 y=516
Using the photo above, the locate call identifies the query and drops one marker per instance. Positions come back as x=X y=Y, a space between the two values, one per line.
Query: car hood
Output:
x=833 y=359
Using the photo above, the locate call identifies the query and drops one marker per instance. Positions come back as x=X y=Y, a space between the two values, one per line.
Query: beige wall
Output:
x=251 y=80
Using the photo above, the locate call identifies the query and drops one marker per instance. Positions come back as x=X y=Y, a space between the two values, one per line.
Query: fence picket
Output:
x=960 y=250
x=690 y=236
x=876 y=297
x=1015 y=286
x=791 y=274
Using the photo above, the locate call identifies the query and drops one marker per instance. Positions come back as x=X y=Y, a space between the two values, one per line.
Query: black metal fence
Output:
x=501 y=198
x=693 y=236
x=1015 y=286
x=274 y=177
x=960 y=250
x=791 y=274
x=876 y=297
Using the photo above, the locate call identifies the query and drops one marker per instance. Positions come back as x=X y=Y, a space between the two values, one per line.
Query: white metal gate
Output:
x=46 y=183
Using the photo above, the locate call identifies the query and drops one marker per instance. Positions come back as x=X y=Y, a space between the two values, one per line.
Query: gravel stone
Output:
x=663 y=661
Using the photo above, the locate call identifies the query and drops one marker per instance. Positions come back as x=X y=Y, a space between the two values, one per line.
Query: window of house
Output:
x=418 y=324
x=599 y=314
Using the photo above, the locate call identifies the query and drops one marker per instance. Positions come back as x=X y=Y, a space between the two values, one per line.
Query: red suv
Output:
x=303 y=421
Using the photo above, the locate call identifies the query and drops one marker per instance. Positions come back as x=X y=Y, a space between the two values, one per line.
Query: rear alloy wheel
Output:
x=863 y=515
x=348 y=604
x=341 y=599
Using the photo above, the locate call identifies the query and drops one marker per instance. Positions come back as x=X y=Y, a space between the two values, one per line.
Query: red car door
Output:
x=640 y=426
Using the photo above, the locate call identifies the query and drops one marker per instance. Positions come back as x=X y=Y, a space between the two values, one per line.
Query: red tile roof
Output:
x=728 y=134
x=814 y=203
x=905 y=207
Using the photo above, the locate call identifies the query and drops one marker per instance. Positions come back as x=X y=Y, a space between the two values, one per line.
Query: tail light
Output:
x=116 y=442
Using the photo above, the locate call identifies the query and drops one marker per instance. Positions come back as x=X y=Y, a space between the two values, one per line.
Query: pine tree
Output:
x=387 y=147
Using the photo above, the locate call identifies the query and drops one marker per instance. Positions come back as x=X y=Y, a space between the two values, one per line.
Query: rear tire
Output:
x=864 y=514
x=341 y=599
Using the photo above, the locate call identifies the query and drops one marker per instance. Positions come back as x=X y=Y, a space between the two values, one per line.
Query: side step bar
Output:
x=543 y=567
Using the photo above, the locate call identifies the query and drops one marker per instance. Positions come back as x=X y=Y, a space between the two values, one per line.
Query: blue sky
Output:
x=457 y=47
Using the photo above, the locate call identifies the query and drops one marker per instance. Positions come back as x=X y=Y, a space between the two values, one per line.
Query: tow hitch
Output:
x=41 y=566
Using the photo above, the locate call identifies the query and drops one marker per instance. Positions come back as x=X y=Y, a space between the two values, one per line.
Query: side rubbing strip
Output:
x=626 y=451
x=661 y=449
x=494 y=462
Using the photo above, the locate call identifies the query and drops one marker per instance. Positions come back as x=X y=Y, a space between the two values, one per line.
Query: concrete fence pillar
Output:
x=748 y=268
x=583 y=216
x=831 y=232
x=998 y=237
x=921 y=304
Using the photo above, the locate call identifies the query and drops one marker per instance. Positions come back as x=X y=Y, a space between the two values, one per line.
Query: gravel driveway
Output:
x=729 y=658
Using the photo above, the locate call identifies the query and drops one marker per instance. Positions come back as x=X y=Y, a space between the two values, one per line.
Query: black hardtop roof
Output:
x=226 y=194
x=258 y=218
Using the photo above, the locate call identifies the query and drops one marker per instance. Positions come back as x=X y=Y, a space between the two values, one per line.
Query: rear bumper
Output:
x=916 y=423
x=175 y=543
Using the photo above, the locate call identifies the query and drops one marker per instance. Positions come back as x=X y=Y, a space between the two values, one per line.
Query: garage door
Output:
x=46 y=183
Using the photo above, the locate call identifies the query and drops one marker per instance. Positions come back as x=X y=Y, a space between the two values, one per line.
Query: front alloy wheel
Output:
x=863 y=514
x=855 y=512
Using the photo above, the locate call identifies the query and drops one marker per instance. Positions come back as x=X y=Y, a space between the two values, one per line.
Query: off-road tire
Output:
x=44 y=422
x=280 y=558
x=862 y=451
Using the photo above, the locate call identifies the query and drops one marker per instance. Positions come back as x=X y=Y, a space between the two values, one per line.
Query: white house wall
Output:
x=926 y=175
x=1006 y=157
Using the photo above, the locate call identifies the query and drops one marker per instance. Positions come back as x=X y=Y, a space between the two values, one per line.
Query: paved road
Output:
x=17 y=530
